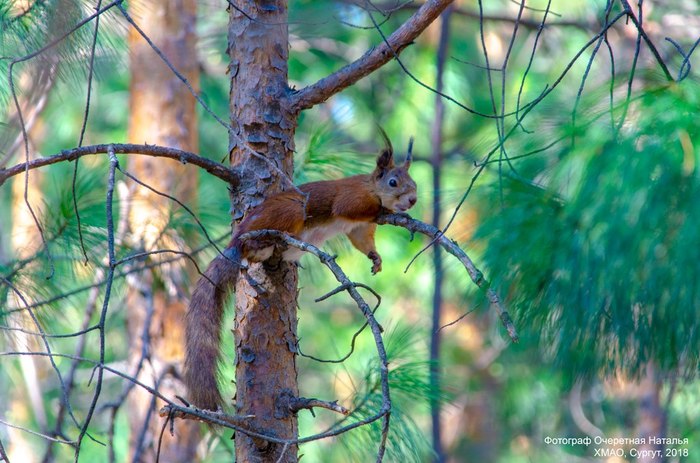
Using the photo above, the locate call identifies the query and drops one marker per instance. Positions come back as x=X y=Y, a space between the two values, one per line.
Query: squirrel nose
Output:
x=412 y=200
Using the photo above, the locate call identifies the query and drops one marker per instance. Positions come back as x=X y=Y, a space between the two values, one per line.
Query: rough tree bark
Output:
x=162 y=111
x=266 y=319
x=264 y=115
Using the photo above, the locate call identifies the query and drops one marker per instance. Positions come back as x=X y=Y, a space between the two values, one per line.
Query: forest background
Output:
x=557 y=143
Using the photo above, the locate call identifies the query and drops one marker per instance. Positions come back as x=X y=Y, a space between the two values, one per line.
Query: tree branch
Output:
x=384 y=412
x=412 y=225
x=205 y=416
x=529 y=23
x=638 y=24
x=218 y=170
x=300 y=403
x=372 y=60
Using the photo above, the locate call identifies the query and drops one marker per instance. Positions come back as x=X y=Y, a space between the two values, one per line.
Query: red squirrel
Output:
x=318 y=212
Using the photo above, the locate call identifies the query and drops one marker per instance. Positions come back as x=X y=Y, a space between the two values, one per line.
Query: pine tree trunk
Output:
x=437 y=142
x=266 y=320
x=26 y=398
x=651 y=418
x=162 y=111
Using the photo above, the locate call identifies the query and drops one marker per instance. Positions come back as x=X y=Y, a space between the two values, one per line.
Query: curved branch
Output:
x=413 y=225
x=329 y=261
x=372 y=60
x=300 y=403
x=218 y=170
x=530 y=23
x=638 y=24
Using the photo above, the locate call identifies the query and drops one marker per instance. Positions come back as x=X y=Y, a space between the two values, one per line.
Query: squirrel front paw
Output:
x=376 y=261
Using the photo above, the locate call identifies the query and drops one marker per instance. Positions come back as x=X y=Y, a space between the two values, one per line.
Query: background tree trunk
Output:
x=26 y=242
x=437 y=142
x=651 y=418
x=266 y=321
x=162 y=111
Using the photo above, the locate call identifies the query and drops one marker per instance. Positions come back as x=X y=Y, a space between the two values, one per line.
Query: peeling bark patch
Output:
x=233 y=68
x=247 y=354
x=273 y=133
x=273 y=115
x=292 y=345
x=282 y=409
x=268 y=6
x=279 y=59
x=256 y=136
x=263 y=339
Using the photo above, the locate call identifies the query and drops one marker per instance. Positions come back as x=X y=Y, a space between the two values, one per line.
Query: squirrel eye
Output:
x=393 y=183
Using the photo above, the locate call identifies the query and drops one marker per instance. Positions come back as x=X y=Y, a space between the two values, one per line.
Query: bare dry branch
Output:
x=111 y=258
x=203 y=415
x=218 y=170
x=3 y=455
x=86 y=113
x=642 y=33
x=525 y=22
x=372 y=60
x=413 y=225
x=300 y=403
x=384 y=412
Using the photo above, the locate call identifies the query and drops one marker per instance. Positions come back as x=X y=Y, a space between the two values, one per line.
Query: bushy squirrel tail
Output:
x=203 y=328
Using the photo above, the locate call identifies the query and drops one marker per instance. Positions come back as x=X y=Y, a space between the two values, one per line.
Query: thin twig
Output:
x=3 y=455
x=231 y=131
x=25 y=137
x=47 y=346
x=126 y=273
x=179 y=203
x=584 y=78
x=412 y=225
x=168 y=420
x=525 y=111
x=684 y=69
x=61 y=38
x=282 y=453
x=456 y=320
x=532 y=57
x=355 y=335
x=111 y=258
x=82 y=130
x=635 y=58
x=29 y=431
x=638 y=21
x=423 y=84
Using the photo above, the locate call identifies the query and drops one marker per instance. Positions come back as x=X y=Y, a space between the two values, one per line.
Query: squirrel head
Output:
x=393 y=184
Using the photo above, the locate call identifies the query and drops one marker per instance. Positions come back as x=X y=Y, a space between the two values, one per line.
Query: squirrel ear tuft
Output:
x=386 y=156
x=385 y=160
x=409 y=154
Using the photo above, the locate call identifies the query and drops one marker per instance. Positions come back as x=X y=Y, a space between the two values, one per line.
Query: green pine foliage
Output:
x=410 y=392
x=601 y=263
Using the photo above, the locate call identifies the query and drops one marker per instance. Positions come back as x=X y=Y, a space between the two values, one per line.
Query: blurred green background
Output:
x=585 y=219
